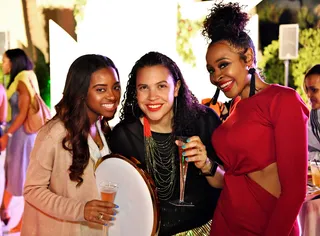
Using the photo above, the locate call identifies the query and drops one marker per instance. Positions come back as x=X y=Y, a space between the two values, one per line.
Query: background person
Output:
x=312 y=89
x=3 y=118
x=16 y=141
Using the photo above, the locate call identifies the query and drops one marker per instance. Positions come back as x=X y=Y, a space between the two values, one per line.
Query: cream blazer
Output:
x=53 y=203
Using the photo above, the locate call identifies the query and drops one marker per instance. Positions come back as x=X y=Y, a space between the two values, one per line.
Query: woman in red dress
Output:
x=263 y=143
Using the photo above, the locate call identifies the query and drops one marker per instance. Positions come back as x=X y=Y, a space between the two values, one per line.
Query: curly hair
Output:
x=72 y=111
x=19 y=62
x=226 y=22
x=186 y=105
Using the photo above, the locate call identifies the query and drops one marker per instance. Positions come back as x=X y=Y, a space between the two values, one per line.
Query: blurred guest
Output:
x=223 y=109
x=263 y=143
x=61 y=191
x=312 y=89
x=18 y=143
x=3 y=109
x=3 y=118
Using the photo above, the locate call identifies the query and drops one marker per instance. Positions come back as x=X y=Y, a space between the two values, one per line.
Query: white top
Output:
x=95 y=152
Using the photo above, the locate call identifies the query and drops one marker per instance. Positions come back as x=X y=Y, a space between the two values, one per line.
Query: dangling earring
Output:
x=252 y=92
x=134 y=106
x=175 y=106
x=215 y=97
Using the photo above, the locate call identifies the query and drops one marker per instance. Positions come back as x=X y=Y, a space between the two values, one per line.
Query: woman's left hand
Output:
x=194 y=151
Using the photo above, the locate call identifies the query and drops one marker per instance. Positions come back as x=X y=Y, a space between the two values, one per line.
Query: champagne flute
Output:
x=183 y=175
x=108 y=192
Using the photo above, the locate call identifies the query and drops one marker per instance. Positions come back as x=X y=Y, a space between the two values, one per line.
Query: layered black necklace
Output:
x=160 y=161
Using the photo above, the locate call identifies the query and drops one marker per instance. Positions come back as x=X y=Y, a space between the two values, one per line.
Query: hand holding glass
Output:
x=183 y=174
x=108 y=192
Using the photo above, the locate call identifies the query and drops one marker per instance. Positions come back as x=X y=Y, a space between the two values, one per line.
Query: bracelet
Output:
x=9 y=134
x=212 y=170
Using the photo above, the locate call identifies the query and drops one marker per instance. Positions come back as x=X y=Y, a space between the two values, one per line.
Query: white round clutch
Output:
x=138 y=212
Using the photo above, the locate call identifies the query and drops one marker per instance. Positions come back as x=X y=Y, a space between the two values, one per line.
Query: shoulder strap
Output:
x=32 y=85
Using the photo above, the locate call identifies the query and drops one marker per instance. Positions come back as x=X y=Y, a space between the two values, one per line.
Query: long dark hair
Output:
x=186 y=105
x=226 y=22
x=72 y=110
x=19 y=62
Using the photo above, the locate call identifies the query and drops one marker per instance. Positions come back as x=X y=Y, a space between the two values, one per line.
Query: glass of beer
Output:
x=108 y=192
x=315 y=172
x=183 y=175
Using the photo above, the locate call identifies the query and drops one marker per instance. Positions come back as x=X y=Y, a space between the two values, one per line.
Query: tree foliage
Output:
x=309 y=55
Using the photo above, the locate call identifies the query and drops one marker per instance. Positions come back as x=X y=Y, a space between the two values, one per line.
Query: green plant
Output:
x=306 y=19
x=43 y=75
x=273 y=68
x=186 y=29
x=309 y=55
x=78 y=11
x=269 y=12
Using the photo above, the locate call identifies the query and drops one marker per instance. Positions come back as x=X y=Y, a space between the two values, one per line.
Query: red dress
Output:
x=269 y=127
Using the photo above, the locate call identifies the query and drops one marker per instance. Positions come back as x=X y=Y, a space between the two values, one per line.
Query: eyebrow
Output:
x=220 y=59
x=162 y=81
x=105 y=85
x=311 y=87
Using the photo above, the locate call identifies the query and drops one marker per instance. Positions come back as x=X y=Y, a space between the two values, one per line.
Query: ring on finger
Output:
x=100 y=216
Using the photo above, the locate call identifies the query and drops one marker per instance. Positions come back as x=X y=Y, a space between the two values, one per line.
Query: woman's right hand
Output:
x=3 y=142
x=99 y=211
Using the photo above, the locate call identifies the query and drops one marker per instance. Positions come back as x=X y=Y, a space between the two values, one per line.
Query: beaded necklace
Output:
x=160 y=161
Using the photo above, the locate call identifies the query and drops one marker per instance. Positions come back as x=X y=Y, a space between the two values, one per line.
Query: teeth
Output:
x=225 y=84
x=154 y=106
x=109 y=106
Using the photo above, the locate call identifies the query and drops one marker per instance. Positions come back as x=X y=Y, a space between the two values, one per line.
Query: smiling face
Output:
x=312 y=86
x=155 y=93
x=227 y=70
x=103 y=94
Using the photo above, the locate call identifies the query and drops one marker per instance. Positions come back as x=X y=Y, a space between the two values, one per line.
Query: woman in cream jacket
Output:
x=61 y=195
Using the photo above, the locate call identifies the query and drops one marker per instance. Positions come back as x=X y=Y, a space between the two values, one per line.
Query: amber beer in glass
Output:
x=108 y=192
x=315 y=172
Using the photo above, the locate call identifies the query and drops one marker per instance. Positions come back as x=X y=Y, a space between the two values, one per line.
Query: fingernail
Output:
x=186 y=158
x=184 y=153
x=114 y=213
x=184 y=146
x=105 y=224
x=112 y=218
x=116 y=206
x=188 y=140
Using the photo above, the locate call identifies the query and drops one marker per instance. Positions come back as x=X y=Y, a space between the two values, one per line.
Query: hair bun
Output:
x=225 y=19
